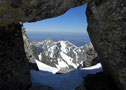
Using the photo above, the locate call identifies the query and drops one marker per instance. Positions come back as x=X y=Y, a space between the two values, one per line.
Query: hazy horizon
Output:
x=77 y=39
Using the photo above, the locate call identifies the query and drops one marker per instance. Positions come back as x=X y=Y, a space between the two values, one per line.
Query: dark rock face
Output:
x=106 y=27
x=81 y=87
x=33 y=10
x=100 y=81
x=14 y=69
x=107 y=30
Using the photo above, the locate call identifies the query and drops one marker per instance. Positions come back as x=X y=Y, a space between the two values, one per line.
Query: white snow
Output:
x=45 y=67
x=68 y=53
x=62 y=64
x=65 y=57
x=95 y=66
x=68 y=59
x=67 y=81
x=40 y=56
x=63 y=46
x=51 y=49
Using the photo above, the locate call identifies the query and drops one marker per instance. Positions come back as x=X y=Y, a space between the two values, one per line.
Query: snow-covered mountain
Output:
x=65 y=55
x=41 y=46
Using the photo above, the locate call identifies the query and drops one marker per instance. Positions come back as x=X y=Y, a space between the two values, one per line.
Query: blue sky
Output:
x=73 y=20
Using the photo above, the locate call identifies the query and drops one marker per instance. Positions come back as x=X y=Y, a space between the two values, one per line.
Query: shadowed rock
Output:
x=106 y=27
x=107 y=30
x=100 y=81
x=81 y=87
x=14 y=70
x=33 y=10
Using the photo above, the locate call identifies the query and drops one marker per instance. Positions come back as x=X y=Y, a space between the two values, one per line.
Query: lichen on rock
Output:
x=12 y=11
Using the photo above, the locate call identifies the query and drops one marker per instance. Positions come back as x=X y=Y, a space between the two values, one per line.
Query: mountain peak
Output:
x=65 y=43
x=48 y=41
x=63 y=54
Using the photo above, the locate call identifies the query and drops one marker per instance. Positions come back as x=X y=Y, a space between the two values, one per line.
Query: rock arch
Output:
x=106 y=27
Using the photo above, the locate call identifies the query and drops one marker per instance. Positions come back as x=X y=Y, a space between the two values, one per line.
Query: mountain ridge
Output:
x=65 y=55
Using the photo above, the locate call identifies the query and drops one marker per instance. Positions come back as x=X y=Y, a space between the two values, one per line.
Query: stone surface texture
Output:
x=106 y=27
x=30 y=50
x=14 y=69
x=107 y=30
x=34 y=10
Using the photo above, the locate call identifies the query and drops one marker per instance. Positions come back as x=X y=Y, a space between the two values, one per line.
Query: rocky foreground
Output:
x=106 y=28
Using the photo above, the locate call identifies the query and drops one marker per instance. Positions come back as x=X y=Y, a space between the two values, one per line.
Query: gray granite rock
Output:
x=107 y=30
x=33 y=10
x=92 y=57
x=30 y=50
x=106 y=27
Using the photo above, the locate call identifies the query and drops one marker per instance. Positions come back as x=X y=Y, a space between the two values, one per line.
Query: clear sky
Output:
x=73 y=20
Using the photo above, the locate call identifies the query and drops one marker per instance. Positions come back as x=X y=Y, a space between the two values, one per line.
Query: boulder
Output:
x=107 y=30
x=92 y=56
x=14 y=67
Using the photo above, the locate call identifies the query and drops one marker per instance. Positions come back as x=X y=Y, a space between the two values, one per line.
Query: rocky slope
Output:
x=31 y=51
x=65 y=55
